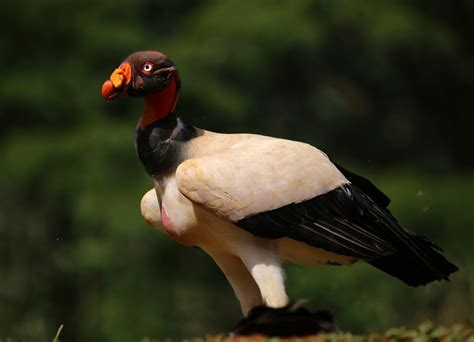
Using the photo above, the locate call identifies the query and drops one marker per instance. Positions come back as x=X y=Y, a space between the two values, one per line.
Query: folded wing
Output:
x=257 y=175
x=276 y=188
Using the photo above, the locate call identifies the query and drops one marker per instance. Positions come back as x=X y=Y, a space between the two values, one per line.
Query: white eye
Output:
x=147 y=66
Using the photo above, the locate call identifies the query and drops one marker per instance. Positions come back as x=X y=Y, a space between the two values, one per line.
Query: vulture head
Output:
x=141 y=74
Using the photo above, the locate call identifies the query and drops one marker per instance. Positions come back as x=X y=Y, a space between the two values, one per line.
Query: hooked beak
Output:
x=118 y=82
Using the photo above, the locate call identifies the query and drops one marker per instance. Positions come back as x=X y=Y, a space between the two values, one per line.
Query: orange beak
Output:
x=118 y=82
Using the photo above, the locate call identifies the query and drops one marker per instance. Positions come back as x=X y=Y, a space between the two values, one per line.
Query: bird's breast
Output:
x=177 y=213
x=168 y=223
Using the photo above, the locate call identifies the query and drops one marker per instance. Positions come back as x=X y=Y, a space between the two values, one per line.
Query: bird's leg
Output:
x=244 y=286
x=264 y=264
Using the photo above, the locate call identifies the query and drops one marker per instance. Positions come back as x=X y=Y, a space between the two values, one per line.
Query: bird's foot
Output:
x=291 y=320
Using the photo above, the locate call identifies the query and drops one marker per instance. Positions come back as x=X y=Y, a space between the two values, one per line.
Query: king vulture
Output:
x=252 y=201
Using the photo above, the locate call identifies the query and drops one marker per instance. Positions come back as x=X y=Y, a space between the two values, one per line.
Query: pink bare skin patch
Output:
x=168 y=224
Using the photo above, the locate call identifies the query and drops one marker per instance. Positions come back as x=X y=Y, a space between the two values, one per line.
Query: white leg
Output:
x=262 y=260
x=244 y=286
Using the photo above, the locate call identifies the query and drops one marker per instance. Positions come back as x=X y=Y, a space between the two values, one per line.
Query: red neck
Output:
x=160 y=104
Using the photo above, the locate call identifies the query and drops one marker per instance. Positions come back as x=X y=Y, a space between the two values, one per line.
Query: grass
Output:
x=425 y=332
x=58 y=333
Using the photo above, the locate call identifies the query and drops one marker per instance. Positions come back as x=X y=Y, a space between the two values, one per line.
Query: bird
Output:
x=252 y=202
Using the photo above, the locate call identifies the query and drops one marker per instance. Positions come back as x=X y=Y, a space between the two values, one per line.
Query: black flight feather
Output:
x=365 y=185
x=349 y=222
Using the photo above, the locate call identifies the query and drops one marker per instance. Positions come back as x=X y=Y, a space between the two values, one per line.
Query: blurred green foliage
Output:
x=384 y=87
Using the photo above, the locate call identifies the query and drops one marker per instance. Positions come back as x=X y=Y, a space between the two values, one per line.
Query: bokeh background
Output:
x=384 y=87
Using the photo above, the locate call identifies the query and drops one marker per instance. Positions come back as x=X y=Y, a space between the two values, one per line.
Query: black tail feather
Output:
x=413 y=272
